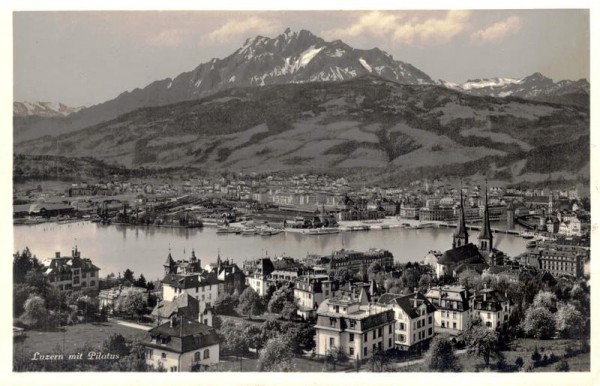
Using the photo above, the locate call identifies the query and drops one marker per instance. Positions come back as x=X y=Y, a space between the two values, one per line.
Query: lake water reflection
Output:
x=144 y=250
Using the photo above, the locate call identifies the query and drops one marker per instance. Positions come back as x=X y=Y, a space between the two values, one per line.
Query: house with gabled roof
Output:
x=414 y=316
x=181 y=345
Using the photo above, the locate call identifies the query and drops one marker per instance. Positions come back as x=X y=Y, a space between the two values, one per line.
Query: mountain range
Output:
x=43 y=109
x=366 y=125
x=292 y=57
x=297 y=102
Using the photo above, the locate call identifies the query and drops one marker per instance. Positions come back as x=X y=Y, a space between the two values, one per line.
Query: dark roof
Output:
x=185 y=281
x=493 y=301
x=460 y=254
x=183 y=336
x=406 y=302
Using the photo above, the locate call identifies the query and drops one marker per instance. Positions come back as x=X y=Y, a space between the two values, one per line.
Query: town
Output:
x=345 y=311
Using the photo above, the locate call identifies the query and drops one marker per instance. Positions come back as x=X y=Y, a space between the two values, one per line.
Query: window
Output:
x=331 y=342
x=163 y=356
x=84 y=274
x=149 y=353
x=332 y=322
x=454 y=325
x=351 y=337
x=374 y=334
x=488 y=324
x=197 y=356
x=206 y=354
x=443 y=324
x=351 y=351
x=401 y=327
x=365 y=351
x=379 y=346
x=430 y=331
x=92 y=283
x=366 y=336
x=390 y=342
x=418 y=324
x=390 y=329
x=173 y=369
x=352 y=323
x=489 y=315
x=401 y=338
x=379 y=332
x=430 y=319
x=92 y=274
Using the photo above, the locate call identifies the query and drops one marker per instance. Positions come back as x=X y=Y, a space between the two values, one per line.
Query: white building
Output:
x=357 y=329
x=181 y=345
x=414 y=316
x=454 y=305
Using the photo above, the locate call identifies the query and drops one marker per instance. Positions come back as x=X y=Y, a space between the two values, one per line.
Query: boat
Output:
x=322 y=231
x=248 y=232
x=405 y=225
x=269 y=231
x=426 y=225
x=360 y=228
x=531 y=244
x=527 y=235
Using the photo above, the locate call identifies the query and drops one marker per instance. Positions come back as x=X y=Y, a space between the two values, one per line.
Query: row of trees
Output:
x=249 y=303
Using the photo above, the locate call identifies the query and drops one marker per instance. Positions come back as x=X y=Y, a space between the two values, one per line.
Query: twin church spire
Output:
x=461 y=235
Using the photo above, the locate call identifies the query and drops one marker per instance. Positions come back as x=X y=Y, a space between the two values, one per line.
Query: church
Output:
x=465 y=255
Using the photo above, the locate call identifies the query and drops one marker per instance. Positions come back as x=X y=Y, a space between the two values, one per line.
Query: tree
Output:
x=568 y=320
x=250 y=303
x=519 y=363
x=481 y=341
x=380 y=361
x=22 y=263
x=545 y=299
x=253 y=335
x=374 y=268
x=234 y=339
x=20 y=294
x=539 y=323
x=410 y=279
x=280 y=297
x=141 y=282
x=87 y=306
x=131 y=302
x=116 y=344
x=35 y=314
x=276 y=356
x=128 y=276
x=225 y=304
x=471 y=280
x=440 y=356
x=290 y=311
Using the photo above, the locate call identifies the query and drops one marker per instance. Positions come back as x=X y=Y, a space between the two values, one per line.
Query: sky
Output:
x=85 y=58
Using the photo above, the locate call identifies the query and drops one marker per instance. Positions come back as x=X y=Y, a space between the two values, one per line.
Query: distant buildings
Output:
x=68 y=273
x=181 y=345
x=356 y=328
x=355 y=261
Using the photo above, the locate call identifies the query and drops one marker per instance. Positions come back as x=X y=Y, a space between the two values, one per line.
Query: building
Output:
x=231 y=277
x=356 y=328
x=560 y=261
x=257 y=276
x=414 y=315
x=203 y=287
x=453 y=305
x=67 y=273
x=310 y=291
x=181 y=345
x=492 y=307
x=458 y=259
x=108 y=298
x=183 y=305
x=355 y=261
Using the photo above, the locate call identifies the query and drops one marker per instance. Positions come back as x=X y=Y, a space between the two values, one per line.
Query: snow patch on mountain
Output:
x=43 y=109
x=365 y=64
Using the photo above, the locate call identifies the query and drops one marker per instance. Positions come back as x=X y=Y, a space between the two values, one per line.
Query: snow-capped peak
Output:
x=43 y=109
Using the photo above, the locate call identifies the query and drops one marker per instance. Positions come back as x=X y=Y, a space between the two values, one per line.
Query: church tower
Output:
x=170 y=265
x=485 y=235
x=461 y=236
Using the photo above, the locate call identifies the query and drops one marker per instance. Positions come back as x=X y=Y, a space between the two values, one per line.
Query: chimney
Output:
x=57 y=254
x=415 y=299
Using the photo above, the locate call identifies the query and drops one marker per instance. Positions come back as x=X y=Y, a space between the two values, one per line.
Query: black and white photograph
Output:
x=309 y=191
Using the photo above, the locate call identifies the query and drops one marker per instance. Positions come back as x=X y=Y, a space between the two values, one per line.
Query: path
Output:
x=130 y=324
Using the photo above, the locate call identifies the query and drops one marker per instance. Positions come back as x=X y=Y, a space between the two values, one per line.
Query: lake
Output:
x=114 y=248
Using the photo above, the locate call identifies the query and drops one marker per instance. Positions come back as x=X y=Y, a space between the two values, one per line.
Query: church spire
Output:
x=461 y=236
x=485 y=236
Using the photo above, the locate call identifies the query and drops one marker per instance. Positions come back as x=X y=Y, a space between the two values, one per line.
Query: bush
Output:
x=535 y=357
x=562 y=366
